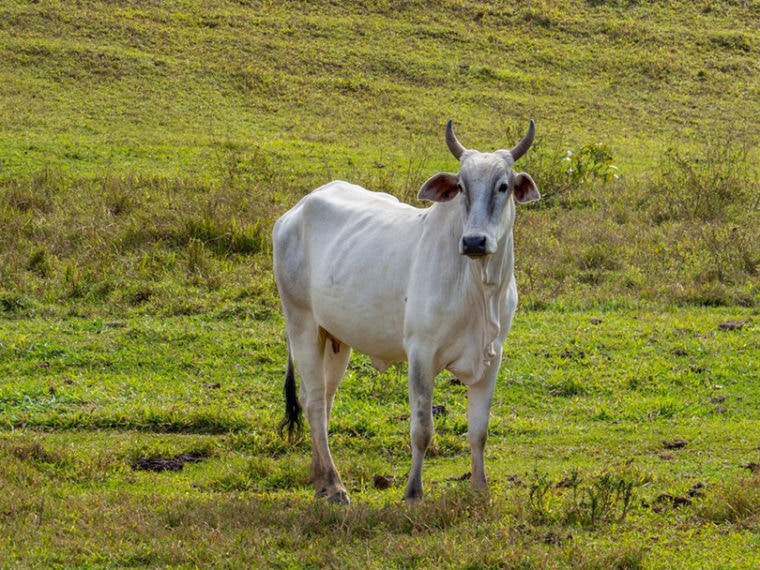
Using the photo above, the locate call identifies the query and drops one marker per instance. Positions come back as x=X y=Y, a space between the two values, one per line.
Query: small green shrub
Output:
x=13 y=303
x=575 y=501
x=571 y=178
x=39 y=262
x=569 y=387
x=706 y=184
x=608 y=498
x=539 y=504
x=226 y=237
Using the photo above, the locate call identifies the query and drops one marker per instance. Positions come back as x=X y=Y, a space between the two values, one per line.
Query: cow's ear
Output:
x=524 y=188
x=440 y=188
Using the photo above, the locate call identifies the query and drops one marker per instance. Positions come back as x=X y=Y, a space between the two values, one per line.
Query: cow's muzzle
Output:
x=474 y=246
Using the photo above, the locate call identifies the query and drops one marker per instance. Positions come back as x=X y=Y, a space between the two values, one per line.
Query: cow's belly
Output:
x=371 y=325
x=361 y=302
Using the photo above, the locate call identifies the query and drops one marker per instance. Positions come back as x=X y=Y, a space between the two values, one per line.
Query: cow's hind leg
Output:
x=321 y=370
x=335 y=356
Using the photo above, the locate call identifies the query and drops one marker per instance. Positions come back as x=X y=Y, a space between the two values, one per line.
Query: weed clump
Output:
x=575 y=501
x=710 y=184
x=736 y=504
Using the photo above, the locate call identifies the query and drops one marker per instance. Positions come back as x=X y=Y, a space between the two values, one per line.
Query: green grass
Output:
x=146 y=150
x=151 y=147
x=580 y=461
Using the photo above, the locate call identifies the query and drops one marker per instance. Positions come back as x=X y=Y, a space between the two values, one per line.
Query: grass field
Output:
x=146 y=148
x=597 y=438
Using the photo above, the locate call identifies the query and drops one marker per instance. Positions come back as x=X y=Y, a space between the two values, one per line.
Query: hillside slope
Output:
x=136 y=128
x=136 y=86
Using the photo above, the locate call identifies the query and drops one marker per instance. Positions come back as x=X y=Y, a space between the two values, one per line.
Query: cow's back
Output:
x=344 y=254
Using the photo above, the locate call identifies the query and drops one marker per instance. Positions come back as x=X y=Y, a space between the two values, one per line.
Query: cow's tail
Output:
x=293 y=420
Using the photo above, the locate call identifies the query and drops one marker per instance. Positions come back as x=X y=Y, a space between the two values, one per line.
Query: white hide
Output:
x=359 y=269
x=379 y=277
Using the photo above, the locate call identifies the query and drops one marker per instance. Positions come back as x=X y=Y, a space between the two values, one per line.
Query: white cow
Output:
x=434 y=287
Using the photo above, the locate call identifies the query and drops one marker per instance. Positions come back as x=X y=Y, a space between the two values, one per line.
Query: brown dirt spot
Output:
x=175 y=463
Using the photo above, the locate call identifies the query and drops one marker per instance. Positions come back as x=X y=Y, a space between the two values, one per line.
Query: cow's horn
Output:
x=455 y=146
x=522 y=147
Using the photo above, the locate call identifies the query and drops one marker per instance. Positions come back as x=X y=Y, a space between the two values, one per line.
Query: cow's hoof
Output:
x=412 y=500
x=340 y=498
x=413 y=494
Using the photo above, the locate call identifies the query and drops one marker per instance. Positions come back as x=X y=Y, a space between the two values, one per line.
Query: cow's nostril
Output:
x=474 y=245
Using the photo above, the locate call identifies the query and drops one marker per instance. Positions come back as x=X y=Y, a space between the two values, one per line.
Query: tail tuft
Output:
x=293 y=420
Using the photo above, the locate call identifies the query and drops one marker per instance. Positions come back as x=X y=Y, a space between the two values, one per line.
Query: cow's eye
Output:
x=460 y=186
x=503 y=187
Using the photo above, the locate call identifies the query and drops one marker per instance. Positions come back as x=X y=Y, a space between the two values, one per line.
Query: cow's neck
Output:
x=493 y=277
x=484 y=280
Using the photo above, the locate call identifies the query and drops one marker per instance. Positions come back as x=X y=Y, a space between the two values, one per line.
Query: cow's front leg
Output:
x=479 y=399
x=421 y=379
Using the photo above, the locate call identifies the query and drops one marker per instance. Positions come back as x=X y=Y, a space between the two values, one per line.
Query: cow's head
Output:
x=488 y=186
